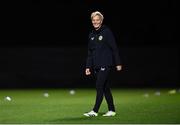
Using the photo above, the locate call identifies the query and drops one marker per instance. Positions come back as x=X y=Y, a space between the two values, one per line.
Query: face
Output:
x=96 y=21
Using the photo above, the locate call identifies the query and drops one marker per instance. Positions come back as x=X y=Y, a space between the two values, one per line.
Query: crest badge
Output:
x=103 y=69
x=92 y=38
x=100 y=37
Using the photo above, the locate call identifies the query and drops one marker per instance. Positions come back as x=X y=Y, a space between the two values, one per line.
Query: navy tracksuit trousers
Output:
x=103 y=88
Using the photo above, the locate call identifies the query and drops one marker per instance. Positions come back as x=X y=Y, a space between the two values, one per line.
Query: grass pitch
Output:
x=141 y=106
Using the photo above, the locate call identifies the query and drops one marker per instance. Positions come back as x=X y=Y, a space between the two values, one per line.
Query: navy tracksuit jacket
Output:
x=102 y=49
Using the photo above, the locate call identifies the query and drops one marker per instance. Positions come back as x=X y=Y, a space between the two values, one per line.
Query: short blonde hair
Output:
x=93 y=14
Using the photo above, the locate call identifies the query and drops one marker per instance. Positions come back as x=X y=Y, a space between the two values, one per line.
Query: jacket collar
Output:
x=99 y=30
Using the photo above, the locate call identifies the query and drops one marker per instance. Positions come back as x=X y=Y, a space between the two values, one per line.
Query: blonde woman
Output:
x=103 y=55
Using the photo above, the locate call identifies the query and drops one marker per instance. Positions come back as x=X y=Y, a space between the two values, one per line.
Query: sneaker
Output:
x=110 y=113
x=91 y=114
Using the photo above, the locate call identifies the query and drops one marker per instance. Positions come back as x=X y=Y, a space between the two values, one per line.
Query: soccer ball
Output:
x=46 y=95
x=72 y=92
x=7 y=98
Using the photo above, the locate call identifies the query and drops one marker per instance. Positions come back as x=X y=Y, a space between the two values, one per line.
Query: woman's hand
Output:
x=119 y=67
x=87 y=72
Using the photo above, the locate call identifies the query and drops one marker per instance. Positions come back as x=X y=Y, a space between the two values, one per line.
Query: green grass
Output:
x=29 y=106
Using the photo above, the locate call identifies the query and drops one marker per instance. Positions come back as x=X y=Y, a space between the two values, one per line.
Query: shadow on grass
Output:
x=82 y=119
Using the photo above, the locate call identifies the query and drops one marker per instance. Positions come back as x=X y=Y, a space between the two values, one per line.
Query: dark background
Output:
x=44 y=42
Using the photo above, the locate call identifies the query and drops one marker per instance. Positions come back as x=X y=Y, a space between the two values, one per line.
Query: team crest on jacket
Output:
x=100 y=37
x=92 y=38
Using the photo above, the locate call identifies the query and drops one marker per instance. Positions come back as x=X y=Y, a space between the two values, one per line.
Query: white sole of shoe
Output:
x=86 y=115
x=109 y=115
x=89 y=115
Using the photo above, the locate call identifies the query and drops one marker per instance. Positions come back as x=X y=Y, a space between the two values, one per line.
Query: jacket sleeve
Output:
x=89 y=57
x=112 y=43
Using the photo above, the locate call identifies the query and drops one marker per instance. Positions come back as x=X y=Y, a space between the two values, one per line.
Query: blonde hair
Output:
x=93 y=14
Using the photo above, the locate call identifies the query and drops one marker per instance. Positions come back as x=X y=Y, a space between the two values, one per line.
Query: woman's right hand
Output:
x=87 y=72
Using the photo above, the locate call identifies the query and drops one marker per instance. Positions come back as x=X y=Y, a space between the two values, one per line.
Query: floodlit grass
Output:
x=132 y=106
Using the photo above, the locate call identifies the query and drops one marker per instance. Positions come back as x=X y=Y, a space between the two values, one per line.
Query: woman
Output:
x=103 y=55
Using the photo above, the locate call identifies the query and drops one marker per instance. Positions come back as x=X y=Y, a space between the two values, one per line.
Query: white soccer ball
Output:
x=146 y=95
x=72 y=92
x=158 y=93
x=8 y=98
x=172 y=91
x=46 y=95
